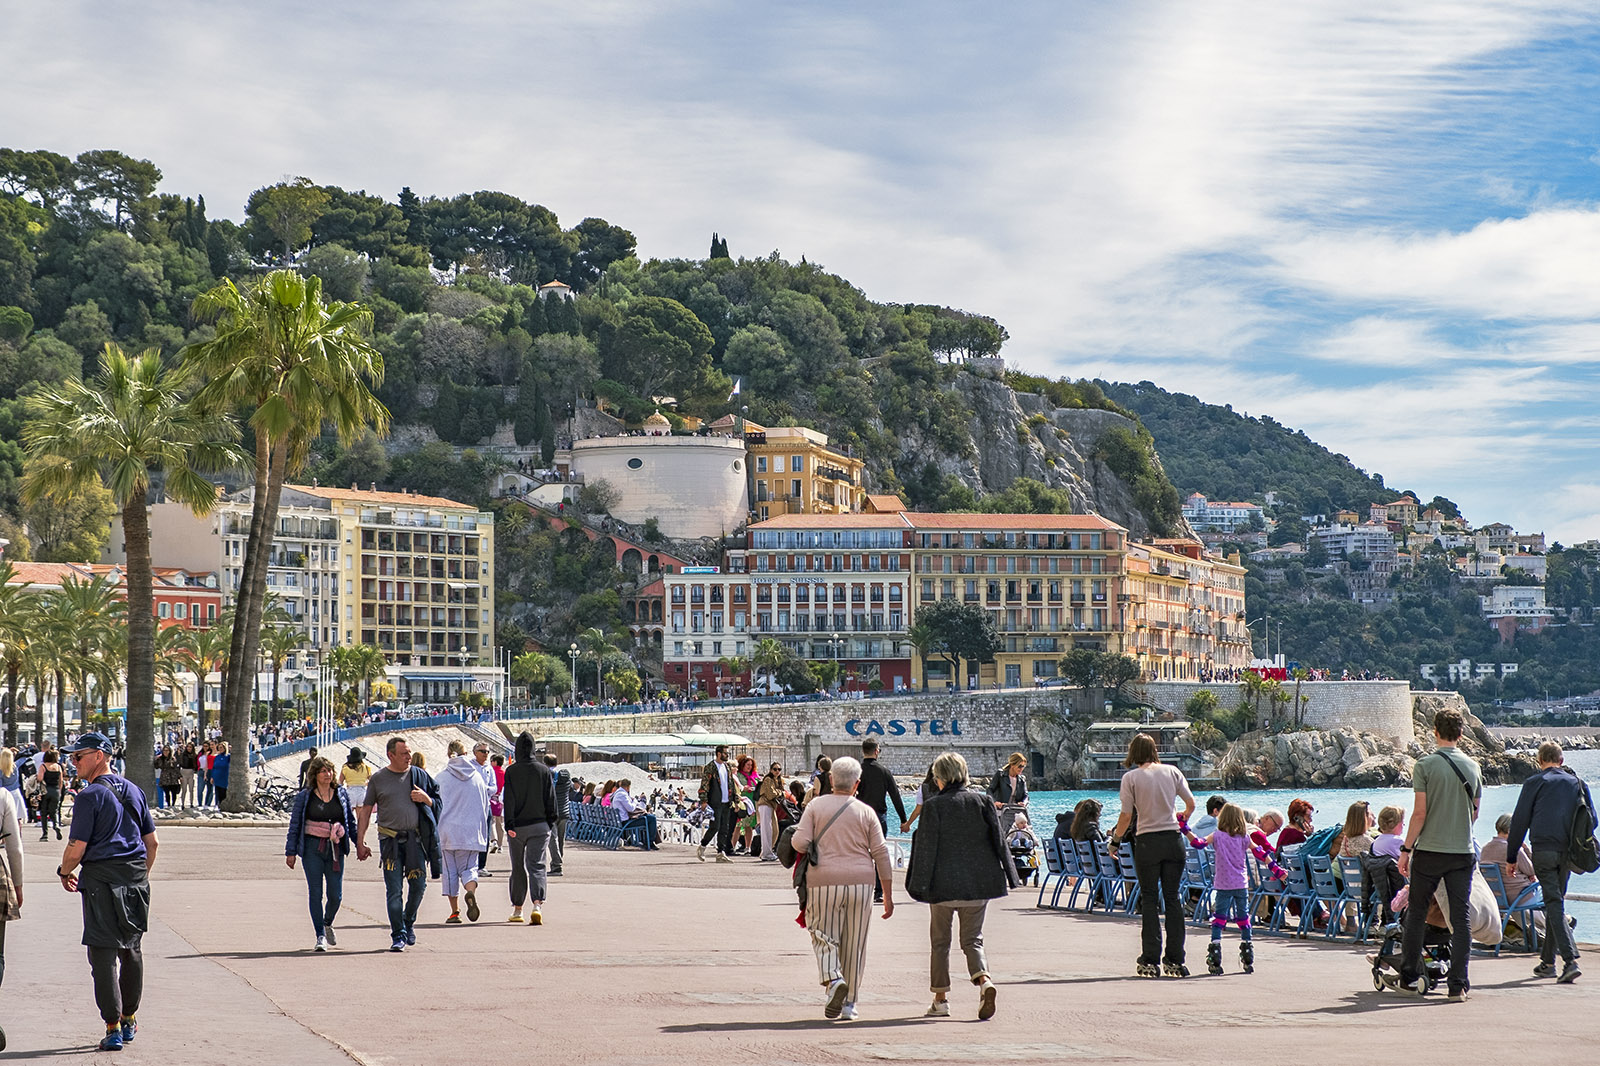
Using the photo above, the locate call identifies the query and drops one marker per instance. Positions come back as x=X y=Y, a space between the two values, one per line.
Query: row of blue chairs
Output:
x=592 y=823
x=1336 y=889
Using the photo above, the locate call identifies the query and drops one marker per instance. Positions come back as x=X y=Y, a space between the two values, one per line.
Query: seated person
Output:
x=635 y=819
x=1086 y=821
x=1495 y=851
x=1022 y=842
x=1269 y=823
x=1299 y=827
x=1206 y=824
x=1387 y=843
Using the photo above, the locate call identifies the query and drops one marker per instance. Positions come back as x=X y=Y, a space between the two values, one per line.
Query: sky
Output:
x=1376 y=222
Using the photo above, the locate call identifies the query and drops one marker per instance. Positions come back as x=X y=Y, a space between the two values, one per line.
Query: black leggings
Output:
x=50 y=809
x=117 y=988
x=1158 y=860
x=222 y=794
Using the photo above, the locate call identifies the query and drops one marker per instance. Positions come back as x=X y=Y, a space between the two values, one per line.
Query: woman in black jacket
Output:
x=959 y=862
x=529 y=801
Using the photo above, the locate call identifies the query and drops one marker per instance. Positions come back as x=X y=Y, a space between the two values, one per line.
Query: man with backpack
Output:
x=1556 y=813
x=1438 y=847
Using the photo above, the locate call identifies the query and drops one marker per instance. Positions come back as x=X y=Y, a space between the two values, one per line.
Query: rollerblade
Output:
x=1247 y=957
x=1174 y=969
x=1214 y=958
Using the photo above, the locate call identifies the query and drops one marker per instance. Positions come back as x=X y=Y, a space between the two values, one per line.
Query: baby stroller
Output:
x=1435 y=950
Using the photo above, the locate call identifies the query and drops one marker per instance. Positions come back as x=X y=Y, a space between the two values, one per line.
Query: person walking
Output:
x=10 y=878
x=769 y=795
x=1009 y=787
x=11 y=780
x=718 y=791
x=530 y=802
x=480 y=762
x=463 y=829
x=558 y=838
x=1438 y=848
x=111 y=848
x=959 y=862
x=354 y=774
x=1544 y=814
x=51 y=779
x=497 y=809
x=169 y=777
x=322 y=823
x=842 y=841
x=1150 y=792
x=878 y=788
x=397 y=794
x=203 y=762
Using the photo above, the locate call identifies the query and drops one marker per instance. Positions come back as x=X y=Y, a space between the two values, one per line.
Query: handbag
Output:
x=1583 y=853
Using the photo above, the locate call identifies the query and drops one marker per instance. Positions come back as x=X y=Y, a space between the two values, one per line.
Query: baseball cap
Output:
x=91 y=742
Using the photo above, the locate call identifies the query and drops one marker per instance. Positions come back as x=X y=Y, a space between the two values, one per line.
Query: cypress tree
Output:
x=533 y=319
x=570 y=321
x=447 y=411
x=530 y=406
x=547 y=436
x=509 y=322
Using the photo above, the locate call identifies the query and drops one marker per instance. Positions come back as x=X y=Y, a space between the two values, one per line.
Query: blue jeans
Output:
x=641 y=827
x=320 y=872
x=402 y=918
x=1230 y=904
x=207 y=791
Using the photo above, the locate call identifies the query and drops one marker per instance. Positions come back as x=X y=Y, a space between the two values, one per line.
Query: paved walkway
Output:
x=656 y=958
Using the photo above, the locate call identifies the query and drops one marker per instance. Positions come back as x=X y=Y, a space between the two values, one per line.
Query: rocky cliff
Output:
x=1020 y=434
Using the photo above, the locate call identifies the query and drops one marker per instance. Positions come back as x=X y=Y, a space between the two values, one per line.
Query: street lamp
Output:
x=572 y=653
x=838 y=646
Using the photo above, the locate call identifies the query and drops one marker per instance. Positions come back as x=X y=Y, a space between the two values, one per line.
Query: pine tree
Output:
x=509 y=322
x=570 y=321
x=547 y=436
x=715 y=252
x=533 y=319
x=530 y=406
x=447 y=411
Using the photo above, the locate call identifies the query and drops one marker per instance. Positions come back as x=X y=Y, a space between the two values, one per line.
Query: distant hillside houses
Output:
x=1465 y=670
x=1221 y=517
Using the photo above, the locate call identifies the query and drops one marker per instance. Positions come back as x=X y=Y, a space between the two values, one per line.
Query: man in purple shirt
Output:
x=113 y=839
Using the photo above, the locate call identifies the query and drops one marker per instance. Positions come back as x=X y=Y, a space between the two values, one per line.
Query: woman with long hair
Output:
x=321 y=826
x=1086 y=820
x=354 y=775
x=51 y=781
x=1150 y=792
x=748 y=780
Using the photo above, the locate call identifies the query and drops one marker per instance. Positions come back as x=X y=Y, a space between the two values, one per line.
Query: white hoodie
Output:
x=463 y=806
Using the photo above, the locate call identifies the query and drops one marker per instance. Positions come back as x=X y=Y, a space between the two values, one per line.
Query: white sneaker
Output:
x=723 y=858
x=700 y=853
x=848 y=1013
x=940 y=1009
x=837 y=990
x=327 y=935
x=322 y=944
x=986 y=996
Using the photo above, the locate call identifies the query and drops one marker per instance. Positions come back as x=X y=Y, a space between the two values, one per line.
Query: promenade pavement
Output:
x=656 y=958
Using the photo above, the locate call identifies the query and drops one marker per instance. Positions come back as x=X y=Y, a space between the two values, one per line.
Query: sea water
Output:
x=1330 y=806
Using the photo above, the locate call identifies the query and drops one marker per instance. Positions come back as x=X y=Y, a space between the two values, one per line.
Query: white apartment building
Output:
x=1221 y=517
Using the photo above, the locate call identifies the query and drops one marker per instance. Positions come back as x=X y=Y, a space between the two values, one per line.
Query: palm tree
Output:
x=922 y=637
x=128 y=423
x=280 y=642
x=296 y=363
x=174 y=650
x=732 y=666
x=85 y=613
x=208 y=651
x=596 y=645
x=16 y=628
x=1300 y=674
x=369 y=665
x=767 y=657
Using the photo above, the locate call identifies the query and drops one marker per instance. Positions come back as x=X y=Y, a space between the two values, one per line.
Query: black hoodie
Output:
x=530 y=792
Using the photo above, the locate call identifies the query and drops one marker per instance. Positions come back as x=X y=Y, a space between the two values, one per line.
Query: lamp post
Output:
x=461 y=686
x=838 y=646
x=572 y=653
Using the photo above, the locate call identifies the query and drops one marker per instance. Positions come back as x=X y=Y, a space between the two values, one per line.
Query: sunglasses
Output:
x=76 y=755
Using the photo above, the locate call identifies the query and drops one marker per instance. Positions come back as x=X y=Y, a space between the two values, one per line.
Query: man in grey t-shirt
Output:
x=1438 y=847
x=392 y=791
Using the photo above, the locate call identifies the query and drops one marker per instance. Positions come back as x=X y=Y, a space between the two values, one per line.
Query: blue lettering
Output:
x=918 y=722
x=955 y=727
x=896 y=728
x=936 y=727
x=873 y=727
x=850 y=727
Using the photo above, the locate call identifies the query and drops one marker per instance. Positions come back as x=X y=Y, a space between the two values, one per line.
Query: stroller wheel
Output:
x=1377 y=979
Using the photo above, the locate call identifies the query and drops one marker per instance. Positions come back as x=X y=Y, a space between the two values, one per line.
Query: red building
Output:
x=178 y=597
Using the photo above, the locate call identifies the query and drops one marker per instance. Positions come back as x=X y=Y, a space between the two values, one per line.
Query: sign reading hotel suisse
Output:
x=897 y=727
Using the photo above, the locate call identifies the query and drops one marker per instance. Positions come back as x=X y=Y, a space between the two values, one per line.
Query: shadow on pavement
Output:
x=795 y=1024
x=291 y=953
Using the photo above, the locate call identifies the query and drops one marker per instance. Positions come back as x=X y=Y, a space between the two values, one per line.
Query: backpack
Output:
x=1583 y=853
x=1321 y=842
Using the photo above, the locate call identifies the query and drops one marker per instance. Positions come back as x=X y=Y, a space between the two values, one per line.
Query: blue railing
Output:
x=712 y=703
x=294 y=747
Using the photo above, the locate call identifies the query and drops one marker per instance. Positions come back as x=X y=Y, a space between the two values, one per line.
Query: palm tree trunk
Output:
x=272 y=714
x=139 y=714
x=239 y=693
x=61 y=709
x=39 y=687
x=13 y=712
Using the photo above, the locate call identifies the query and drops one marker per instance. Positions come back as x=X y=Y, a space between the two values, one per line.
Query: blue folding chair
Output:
x=1325 y=892
x=1528 y=902
x=1353 y=893
x=1052 y=871
x=1197 y=878
x=1264 y=889
x=1296 y=889
x=1113 y=889
x=1130 y=878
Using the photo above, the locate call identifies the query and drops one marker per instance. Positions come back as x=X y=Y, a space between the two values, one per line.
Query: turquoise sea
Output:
x=1330 y=806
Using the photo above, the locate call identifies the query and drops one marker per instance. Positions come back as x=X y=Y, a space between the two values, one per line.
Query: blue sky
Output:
x=1377 y=222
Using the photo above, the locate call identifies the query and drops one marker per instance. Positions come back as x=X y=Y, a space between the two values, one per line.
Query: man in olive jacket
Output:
x=959 y=861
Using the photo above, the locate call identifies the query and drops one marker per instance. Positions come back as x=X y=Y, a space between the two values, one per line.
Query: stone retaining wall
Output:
x=1379 y=707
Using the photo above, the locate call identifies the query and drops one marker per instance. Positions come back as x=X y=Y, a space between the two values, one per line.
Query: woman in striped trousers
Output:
x=844 y=838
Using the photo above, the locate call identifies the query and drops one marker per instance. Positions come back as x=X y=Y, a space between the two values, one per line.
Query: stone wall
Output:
x=1382 y=708
x=983 y=727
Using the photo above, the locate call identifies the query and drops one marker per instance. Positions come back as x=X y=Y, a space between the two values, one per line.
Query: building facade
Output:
x=1220 y=516
x=793 y=471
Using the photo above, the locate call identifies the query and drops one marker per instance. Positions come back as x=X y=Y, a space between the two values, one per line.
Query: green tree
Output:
x=767 y=656
x=1117 y=671
x=661 y=348
x=297 y=363
x=963 y=632
x=287 y=211
x=104 y=175
x=131 y=422
x=71 y=527
x=279 y=642
x=530 y=414
x=922 y=638
x=599 y=245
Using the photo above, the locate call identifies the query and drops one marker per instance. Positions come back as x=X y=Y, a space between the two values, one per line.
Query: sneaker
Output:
x=769 y=858
x=321 y=945
x=723 y=858
x=399 y=944
x=847 y=1013
x=1417 y=986
x=112 y=1041
x=700 y=853
x=1569 y=973
x=555 y=873
x=1457 y=996
x=411 y=937
x=327 y=934
x=454 y=919
x=1545 y=969
x=535 y=916
x=129 y=1029
x=1148 y=969
x=484 y=873
x=837 y=990
x=986 y=995
x=472 y=906
x=1174 y=969
x=515 y=918
x=940 y=1009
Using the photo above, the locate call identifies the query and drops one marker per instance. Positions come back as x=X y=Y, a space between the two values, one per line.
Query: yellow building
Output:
x=793 y=471
x=1185 y=614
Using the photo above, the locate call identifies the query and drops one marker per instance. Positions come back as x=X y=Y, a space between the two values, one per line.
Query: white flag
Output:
x=737 y=383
